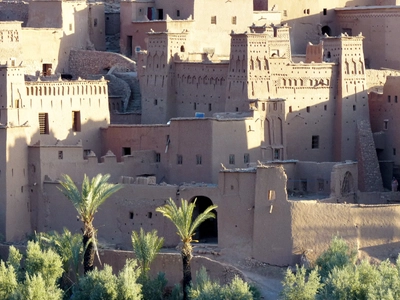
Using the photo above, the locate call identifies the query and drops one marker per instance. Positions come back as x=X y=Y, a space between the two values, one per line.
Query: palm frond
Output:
x=207 y=214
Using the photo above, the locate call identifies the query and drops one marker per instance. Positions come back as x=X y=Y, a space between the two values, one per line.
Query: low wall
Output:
x=84 y=63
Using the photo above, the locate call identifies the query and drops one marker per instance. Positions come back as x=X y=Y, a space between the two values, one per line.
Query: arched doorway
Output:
x=326 y=30
x=208 y=230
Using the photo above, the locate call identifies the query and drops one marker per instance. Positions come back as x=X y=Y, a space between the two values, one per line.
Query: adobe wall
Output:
x=377 y=78
x=14 y=11
x=84 y=63
x=384 y=110
x=200 y=87
x=372 y=229
x=10 y=41
x=377 y=24
x=236 y=211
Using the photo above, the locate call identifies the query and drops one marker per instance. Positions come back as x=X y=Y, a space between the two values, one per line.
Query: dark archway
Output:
x=208 y=230
x=326 y=30
x=347 y=184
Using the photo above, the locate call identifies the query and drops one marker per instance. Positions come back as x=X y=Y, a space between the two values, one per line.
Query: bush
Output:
x=299 y=285
x=337 y=255
x=8 y=281
x=103 y=284
x=153 y=289
x=205 y=289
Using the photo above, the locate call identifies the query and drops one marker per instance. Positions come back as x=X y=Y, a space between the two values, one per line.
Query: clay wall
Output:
x=377 y=24
x=88 y=100
x=112 y=23
x=97 y=25
x=383 y=114
x=237 y=190
x=84 y=63
x=309 y=20
x=14 y=11
x=200 y=88
x=10 y=41
x=377 y=78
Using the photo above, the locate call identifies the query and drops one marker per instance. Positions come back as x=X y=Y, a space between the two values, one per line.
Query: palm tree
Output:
x=146 y=246
x=182 y=219
x=94 y=193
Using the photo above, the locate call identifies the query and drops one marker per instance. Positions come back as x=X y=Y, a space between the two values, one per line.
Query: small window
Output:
x=179 y=159
x=389 y=98
x=209 y=107
x=178 y=13
x=234 y=20
x=70 y=27
x=17 y=103
x=394 y=151
x=194 y=105
x=303 y=185
x=277 y=154
x=214 y=20
x=131 y=214
x=246 y=158
x=158 y=157
x=395 y=99
x=86 y=152
x=149 y=215
x=275 y=106
x=354 y=108
x=76 y=121
x=198 y=159
x=271 y=195
x=43 y=123
x=95 y=22
x=290 y=109
x=126 y=151
x=385 y=124
x=315 y=142
x=263 y=106
x=308 y=109
x=308 y=11
x=155 y=102
x=231 y=159
x=321 y=185
x=285 y=13
x=325 y=107
x=60 y=155
x=324 y=11
x=237 y=108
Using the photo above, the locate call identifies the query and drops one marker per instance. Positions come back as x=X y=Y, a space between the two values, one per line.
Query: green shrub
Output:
x=337 y=255
x=300 y=286
x=153 y=289
x=103 y=284
x=8 y=281
x=205 y=289
x=35 y=288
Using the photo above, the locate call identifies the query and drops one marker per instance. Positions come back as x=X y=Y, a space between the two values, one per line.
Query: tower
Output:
x=352 y=98
x=158 y=106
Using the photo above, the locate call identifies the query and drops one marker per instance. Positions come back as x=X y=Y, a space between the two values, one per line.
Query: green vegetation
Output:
x=337 y=276
x=182 y=217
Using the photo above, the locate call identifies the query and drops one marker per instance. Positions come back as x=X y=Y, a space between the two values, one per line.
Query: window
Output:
x=76 y=121
x=231 y=159
x=160 y=14
x=285 y=13
x=290 y=109
x=214 y=20
x=315 y=142
x=198 y=159
x=263 y=106
x=325 y=107
x=126 y=151
x=354 y=108
x=60 y=155
x=320 y=183
x=209 y=107
x=271 y=195
x=277 y=153
x=389 y=98
x=246 y=158
x=234 y=20
x=158 y=157
x=17 y=103
x=394 y=151
x=179 y=159
x=395 y=99
x=325 y=11
x=155 y=102
x=95 y=22
x=43 y=123
x=385 y=124
x=194 y=105
x=86 y=153
x=131 y=214
x=275 y=106
x=178 y=13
